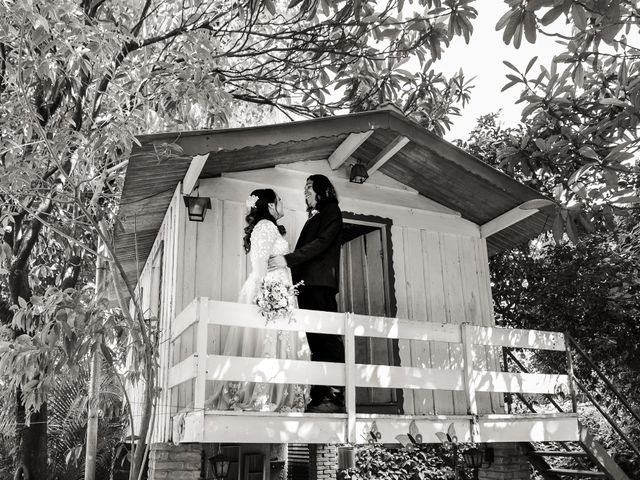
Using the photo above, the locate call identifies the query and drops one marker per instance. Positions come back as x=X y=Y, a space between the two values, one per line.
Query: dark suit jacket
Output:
x=316 y=258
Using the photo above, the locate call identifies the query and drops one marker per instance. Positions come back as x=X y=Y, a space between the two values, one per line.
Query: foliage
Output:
x=68 y=404
x=587 y=288
x=581 y=112
x=80 y=78
x=69 y=326
x=383 y=463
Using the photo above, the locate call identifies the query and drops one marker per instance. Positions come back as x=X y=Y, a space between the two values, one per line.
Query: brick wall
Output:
x=323 y=462
x=509 y=463
x=175 y=462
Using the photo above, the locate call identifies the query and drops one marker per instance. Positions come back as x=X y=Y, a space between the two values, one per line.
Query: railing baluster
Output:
x=350 y=377
x=469 y=379
x=505 y=359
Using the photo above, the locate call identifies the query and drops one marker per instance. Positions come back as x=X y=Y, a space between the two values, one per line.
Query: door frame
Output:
x=384 y=224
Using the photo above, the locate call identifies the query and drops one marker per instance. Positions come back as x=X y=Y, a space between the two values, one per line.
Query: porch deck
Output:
x=194 y=366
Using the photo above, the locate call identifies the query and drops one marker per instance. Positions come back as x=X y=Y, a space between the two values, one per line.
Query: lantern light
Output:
x=219 y=465
x=473 y=458
x=197 y=207
x=358 y=173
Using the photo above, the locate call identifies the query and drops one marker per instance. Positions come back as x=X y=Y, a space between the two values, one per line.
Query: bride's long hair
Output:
x=260 y=211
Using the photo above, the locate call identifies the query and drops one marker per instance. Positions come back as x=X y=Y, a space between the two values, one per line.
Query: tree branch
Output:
x=143 y=16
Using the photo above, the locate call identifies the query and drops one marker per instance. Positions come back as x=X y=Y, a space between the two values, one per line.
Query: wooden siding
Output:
x=439 y=262
x=440 y=277
x=168 y=240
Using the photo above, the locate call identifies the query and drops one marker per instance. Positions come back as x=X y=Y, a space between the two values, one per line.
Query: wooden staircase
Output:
x=591 y=460
x=586 y=458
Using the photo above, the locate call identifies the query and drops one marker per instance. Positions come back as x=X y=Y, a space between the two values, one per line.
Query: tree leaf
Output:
x=517 y=37
x=530 y=29
x=503 y=20
x=512 y=26
x=552 y=15
x=511 y=66
x=269 y=6
x=530 y=64
x=572 y=232
x=558 y=227
x=508 y=85
x=588 y=152
x=579 y=15
x=628 y=199
x=107 y=353
x=613 y=101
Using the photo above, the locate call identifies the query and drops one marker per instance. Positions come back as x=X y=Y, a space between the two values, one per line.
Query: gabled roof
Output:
x=427 y=163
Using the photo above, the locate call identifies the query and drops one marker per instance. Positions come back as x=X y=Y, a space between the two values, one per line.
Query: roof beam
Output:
x=347 y=147
x=507 y=219
x=193 y=173
x=389 y=151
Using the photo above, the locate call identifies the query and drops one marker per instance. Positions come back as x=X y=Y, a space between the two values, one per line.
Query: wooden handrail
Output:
x=371 y=326
x=203 y=312
x=608 y=417
x=607 y=382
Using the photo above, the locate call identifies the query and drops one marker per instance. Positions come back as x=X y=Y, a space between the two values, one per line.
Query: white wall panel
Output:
x=439 y=264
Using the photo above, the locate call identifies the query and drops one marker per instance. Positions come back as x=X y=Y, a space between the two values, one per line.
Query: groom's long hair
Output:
x=325 y=192
x=260 y=211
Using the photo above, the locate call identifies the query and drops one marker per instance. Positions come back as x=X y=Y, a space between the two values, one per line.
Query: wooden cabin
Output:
x=415 y=294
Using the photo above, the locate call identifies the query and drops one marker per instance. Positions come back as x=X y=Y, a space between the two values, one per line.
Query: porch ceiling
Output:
x=434 y=167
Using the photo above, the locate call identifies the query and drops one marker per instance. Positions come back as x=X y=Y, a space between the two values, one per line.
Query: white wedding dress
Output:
x=266 y=241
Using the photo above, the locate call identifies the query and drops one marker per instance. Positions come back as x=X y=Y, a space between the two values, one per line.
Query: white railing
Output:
x=196 y=366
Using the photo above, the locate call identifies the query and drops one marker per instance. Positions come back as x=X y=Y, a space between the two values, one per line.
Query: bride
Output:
x=263 y=238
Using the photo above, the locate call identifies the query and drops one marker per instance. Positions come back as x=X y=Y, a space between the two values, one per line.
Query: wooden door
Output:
x=364 y=290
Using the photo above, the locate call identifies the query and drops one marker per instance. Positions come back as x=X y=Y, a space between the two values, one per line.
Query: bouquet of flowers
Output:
x=276 y=299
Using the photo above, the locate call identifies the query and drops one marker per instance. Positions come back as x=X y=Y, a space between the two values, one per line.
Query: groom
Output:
x=316 y=262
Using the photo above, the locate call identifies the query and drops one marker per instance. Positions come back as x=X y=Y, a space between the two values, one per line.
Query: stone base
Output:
x=323 y=462
x=175 y=462
x=509 y=463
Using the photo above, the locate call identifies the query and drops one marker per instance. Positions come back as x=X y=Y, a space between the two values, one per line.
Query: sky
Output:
x=483 y=58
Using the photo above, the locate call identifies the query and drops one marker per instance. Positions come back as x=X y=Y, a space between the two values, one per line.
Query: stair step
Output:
x=577 y=473
x=559 y=453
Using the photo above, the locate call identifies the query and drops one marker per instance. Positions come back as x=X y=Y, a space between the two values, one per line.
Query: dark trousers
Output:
x=324 y=347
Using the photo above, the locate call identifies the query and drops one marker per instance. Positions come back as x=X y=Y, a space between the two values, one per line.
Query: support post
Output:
x=350 y=374
x=94 y=382
x=469 y=378
x=505 y=359
x=199 y=395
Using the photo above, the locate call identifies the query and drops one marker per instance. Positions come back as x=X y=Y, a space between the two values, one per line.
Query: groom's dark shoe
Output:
x=326 y=406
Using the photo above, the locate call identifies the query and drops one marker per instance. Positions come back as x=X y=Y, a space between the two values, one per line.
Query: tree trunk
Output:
x=32 y=440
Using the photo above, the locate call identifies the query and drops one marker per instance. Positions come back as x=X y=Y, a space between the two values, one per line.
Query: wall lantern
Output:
x=197 y=207
x=346 y=460
x=358 y=173
x=219 y=466
x=473 y=458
